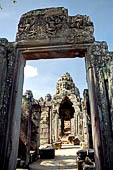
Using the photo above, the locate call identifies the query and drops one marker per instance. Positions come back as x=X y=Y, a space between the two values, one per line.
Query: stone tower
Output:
x=66 y=108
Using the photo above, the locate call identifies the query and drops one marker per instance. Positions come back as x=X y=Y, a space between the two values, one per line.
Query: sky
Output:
x=41 y=76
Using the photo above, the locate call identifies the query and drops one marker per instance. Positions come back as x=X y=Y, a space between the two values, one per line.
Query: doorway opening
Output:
x=66 y=113
x=60 y=118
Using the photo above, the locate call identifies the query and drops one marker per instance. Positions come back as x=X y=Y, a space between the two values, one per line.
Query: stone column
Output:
x=59 y=127
x=36 y=111
x=38 y=138
x=28 y=144
x=96 y=61
x=87 y=118
x=85 y=127
x=16 y=117
x=50 y=126
x=38 y=135
x=73 y=126
x=95 y=123
x=75 y=123
x=110 y=86
x=56 y=127
x=79 y=124
x=3 y=116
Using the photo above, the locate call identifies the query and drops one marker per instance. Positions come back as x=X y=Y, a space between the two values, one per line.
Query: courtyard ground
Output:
x=64 y=159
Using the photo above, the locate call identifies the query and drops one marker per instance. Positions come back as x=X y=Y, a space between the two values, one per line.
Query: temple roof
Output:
x=66 y=86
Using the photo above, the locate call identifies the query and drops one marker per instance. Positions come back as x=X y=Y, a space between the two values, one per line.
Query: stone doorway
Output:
x=66 y=113
x=51 y=33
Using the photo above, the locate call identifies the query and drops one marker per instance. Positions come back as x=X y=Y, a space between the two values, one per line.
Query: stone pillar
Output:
x=87 y=118
x=49 y=109
x=96 y=61
x=59 y=127
x=73 y=126
x=79 y=128
x=75 y=119
x=11 y=88
x=85 y=128
x=44 y=129
x=28 y=144
x=17 y=116
x=56 y=127
x=38 y=136
x=35 y=138
x=99 y=155
x=54 y=112
x=50 y=126
x=3 y=111
x=77 y=123
x=80 y=124
x=110 y=86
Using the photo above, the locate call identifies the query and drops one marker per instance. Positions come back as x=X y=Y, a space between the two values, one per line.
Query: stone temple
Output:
x=63 y=107
x=62 y=118
x=50 y=34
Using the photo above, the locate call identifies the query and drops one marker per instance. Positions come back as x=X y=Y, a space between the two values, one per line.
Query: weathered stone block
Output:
x=53 y=23
x=47 y=153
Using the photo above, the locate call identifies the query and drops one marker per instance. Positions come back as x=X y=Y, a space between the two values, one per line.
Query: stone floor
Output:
x=64 y=159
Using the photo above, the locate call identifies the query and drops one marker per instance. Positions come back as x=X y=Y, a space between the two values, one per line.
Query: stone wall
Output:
x=29 y=104
x=8 y=68
x=99 y=69
x=52 y=23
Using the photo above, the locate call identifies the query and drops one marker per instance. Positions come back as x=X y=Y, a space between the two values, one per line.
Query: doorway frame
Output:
x=51 y=49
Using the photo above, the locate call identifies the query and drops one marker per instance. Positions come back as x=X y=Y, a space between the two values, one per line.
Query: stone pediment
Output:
x=54 y=23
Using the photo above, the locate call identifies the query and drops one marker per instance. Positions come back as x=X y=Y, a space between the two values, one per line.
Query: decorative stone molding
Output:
x=53 y=23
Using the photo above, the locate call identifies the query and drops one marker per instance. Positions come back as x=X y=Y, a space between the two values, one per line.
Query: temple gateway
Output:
x=26 y=123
